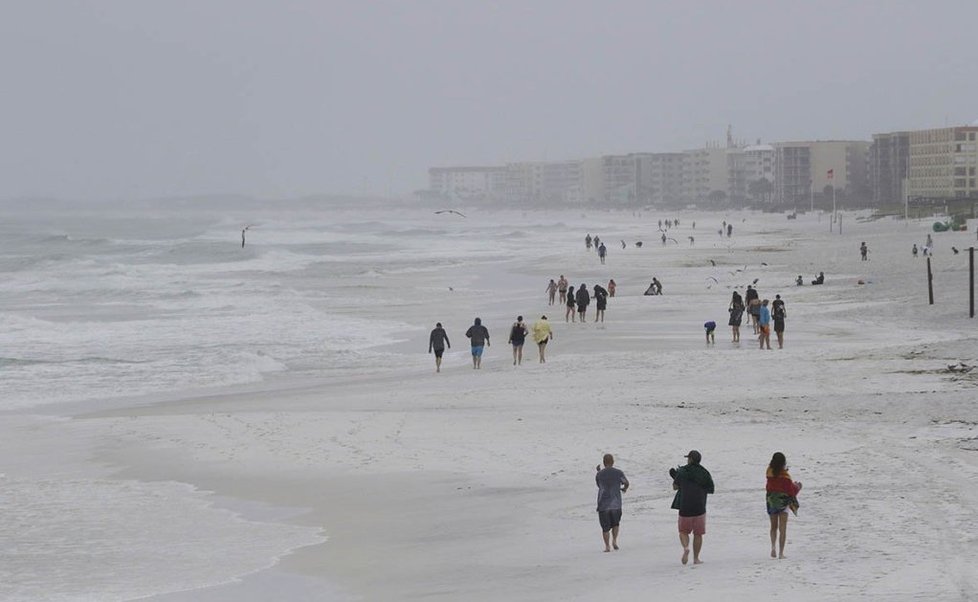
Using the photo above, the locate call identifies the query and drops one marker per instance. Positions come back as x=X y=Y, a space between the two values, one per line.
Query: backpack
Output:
x=518 y=333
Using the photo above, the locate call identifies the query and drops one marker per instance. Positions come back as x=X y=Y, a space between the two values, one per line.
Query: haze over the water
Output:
x=121 y=99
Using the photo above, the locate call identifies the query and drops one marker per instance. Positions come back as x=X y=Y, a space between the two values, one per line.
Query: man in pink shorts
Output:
x=692 y=484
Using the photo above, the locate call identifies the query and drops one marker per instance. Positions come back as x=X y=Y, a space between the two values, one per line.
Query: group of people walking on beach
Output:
x=692 y=484
x=576 y=303
x=758 y=314
x=478 y=336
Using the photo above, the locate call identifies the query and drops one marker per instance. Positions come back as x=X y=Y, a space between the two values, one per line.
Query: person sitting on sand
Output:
x=799 y=281
x=611 y=484
x=781 y=496
x=820 y=279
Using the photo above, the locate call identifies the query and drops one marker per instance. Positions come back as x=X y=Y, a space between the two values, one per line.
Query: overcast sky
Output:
x=281 y=98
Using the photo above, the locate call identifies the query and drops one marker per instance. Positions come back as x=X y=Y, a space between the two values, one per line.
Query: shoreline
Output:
x=478 y=485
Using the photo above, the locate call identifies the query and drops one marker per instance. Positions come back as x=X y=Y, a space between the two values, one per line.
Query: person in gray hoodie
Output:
x=479 y=337
x=436 y=342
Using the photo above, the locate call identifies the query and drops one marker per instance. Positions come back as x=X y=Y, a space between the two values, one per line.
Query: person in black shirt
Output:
x=437 y=342
x=778 y=313
x=517 y=336
x=583 y=300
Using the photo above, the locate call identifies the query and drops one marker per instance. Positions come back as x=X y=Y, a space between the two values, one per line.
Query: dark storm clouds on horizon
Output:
x=129 y=99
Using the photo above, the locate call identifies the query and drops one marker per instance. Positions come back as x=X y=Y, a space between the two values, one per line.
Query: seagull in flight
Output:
x=440 y=211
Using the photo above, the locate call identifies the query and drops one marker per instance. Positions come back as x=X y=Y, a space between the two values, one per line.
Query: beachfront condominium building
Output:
x=804 y=168
x=943 y=163
x=551 y=183
x=639 y=178
x=758 y=167
x=467 y=183
x=619 y=179
x=705 y=176
x=658 y=178
x=889 y=160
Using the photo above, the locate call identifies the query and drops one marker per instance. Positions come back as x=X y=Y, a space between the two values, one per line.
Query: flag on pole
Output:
x=830 y=174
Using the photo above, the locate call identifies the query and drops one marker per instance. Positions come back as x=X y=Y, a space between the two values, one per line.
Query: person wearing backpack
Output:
x=778 y=314
x=517 y=336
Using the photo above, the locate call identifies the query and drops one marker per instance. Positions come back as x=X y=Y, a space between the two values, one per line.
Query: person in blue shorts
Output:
x=479 y=337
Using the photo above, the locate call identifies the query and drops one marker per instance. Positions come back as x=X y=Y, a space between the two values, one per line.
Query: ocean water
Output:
x=103 y=302
x=108 y=305
x=117 y=304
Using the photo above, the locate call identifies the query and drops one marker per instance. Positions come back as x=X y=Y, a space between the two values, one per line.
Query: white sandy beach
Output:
x=374 y=478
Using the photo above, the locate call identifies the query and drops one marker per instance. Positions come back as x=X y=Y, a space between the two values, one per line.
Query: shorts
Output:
x=439 y=352
x=609 y=519
x=710 y=330
x=766 y=329
x=778 y=325
x=517 y=344
x=693 y=524
x=477 y=350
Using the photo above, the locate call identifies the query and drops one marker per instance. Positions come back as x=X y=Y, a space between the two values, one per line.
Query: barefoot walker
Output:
x=781 y=492
x=611 y=484
x=692 y=484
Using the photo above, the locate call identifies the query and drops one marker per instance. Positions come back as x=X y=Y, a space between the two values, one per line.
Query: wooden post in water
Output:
x=930 y=283
x=971 y=282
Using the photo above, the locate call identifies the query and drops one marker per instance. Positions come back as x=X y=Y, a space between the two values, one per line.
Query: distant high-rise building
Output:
x=620 y=181
x=759 y=165
x=943 y=163
x=467 y=183
x=801 y=168
x=659 y=178
x=705 y=174
x=889 y=161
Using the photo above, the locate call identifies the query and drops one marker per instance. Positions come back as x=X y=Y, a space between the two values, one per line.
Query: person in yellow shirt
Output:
x=542 y=335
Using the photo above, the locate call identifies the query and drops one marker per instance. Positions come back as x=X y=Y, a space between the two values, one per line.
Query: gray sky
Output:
x=135 y=98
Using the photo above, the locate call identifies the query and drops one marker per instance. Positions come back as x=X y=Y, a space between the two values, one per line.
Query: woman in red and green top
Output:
x=781 y=492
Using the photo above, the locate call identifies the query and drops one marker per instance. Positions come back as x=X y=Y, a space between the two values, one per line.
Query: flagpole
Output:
x=836 y=216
